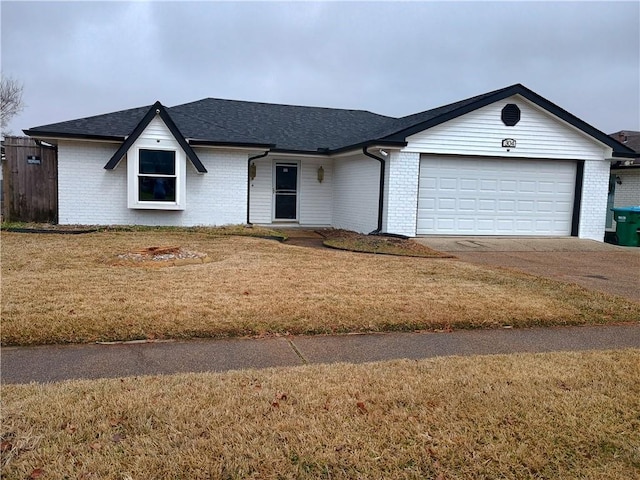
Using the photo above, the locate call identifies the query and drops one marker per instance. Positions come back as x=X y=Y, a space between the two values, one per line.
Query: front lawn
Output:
x=93 y=287
x=555 y=415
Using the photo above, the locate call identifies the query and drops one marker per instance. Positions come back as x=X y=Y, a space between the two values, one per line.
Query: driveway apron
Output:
x=594 y=265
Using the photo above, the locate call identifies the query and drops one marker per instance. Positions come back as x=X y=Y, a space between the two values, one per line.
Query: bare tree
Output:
x=10 y=100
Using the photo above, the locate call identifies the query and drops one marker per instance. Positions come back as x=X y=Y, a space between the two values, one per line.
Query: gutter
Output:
x=251 y=159
x=381 y=194
x=79 y=136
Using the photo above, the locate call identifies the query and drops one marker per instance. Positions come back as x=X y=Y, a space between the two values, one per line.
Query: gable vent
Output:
x=510 y=114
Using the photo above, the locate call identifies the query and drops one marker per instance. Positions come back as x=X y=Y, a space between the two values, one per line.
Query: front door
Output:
x=285 y=192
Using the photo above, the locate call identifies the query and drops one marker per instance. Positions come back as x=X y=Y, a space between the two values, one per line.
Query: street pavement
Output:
x=57 y=363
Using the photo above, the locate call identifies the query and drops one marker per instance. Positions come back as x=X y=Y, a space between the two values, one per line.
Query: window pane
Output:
x=285 y=207
x=286 y=177
x=156 y=189
x=157 y=161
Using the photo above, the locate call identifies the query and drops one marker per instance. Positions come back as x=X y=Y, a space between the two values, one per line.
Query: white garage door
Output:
x=467 y=196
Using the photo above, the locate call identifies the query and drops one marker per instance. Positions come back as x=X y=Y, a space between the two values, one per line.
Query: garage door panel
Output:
x=448 y=184
x=488 y=206
x=508 y=186
x=429 y=184
x=506 y=225
x=524 y=226
x=488 y=185
x=468 y=184
x=428 y=205
x=466 y=223
x=544 y=225
x=447 y=205
x=467 y=205
x=545 y=207
x=526 y=206
x=486 y=224
x=507 y=206
x=547 y=187
x=566 y=187
x=446 y=224
x=495 y=196
x=527 y=186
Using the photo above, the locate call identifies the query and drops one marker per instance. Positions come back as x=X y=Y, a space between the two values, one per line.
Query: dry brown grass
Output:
x=67 y=288
x=554 y=416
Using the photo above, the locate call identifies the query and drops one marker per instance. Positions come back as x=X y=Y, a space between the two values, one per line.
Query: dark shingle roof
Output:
x=297 y=128
x=630 y=138
x=288 y=127
x=217 y=121
x=114 y=125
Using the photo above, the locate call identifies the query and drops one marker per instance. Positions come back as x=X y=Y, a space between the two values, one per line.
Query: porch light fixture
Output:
x=252 y=171
x=618 y=180
x=320 y=174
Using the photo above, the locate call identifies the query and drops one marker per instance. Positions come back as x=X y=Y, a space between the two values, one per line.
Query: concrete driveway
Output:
x=594 y=265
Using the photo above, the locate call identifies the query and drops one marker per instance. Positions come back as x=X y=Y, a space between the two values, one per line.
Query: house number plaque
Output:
x=509 y=143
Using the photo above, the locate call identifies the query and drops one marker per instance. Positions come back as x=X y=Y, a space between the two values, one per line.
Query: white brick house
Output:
x=507 y=162
x=624 y=181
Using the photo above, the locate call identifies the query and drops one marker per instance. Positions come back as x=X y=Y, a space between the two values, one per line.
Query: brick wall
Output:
x=90 y=195
x=401 y=193
x=628 y=192
x=593 y=208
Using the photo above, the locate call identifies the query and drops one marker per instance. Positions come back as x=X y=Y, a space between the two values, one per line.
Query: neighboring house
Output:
x=507 y=162
x=624 y=181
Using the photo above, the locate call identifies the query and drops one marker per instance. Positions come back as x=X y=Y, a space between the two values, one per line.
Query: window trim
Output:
x=133 y=176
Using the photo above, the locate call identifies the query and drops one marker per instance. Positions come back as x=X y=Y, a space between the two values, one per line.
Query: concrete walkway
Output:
x=57 y=363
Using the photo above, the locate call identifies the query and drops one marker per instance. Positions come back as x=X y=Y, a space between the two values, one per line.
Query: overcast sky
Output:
x=78 y=59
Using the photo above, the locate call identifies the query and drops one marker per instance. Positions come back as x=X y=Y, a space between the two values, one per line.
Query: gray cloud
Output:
x=79 y=59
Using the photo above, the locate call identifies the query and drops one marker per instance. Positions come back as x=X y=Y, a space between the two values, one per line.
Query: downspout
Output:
x=251 y=159
x=381 y=194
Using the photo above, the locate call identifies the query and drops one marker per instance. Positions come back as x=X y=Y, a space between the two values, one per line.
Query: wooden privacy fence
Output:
x=29 y=181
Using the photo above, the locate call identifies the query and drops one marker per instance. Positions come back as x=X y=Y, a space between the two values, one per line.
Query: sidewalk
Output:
x=57 y=363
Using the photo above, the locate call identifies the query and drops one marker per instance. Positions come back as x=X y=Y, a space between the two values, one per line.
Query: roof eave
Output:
x=335 y=151
x=214 y=143
x=370 y=143
x=74 y=136
x=626 y=155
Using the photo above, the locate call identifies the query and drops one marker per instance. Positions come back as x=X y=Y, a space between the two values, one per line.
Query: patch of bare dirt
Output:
x=162 y=254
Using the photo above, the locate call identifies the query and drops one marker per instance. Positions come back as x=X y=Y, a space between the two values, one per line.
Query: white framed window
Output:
x=156 y=178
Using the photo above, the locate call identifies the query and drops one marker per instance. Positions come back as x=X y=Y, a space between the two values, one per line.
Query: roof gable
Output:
x=537 y=134
x=156 y=109
x=421 y=121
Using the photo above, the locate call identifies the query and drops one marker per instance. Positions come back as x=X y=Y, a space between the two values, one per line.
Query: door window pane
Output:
x=286 y=207
x=286 y=177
